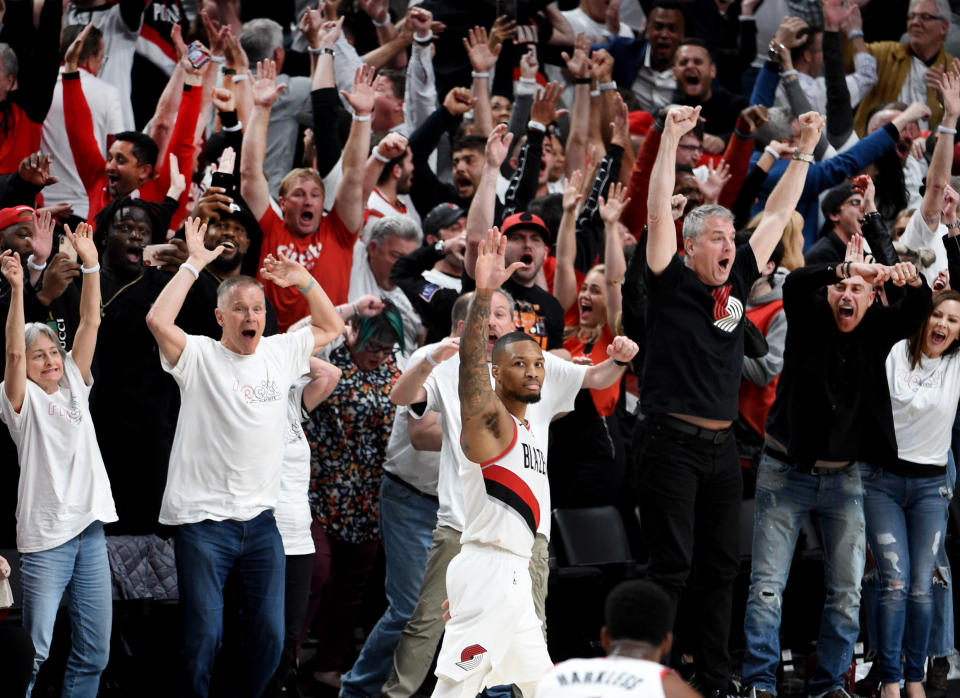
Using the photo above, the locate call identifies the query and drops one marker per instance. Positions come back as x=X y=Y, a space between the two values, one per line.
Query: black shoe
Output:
x=837 y=693
x=732 y=690
x=869 y=685
x=935 y=685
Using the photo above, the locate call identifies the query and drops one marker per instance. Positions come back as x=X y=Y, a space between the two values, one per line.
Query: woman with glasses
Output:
x=348 y=434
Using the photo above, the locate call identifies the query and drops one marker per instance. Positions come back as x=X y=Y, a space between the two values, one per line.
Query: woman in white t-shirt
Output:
x=64 y=495
x=905 y=502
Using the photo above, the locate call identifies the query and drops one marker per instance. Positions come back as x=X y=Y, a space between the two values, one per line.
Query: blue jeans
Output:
x=784 y=497
x=206 y=554
x=79 y=567
x=941 y=631
x=407 y=520
x=906 y=521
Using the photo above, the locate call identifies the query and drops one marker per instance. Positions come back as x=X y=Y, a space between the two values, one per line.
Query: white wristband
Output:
x=232 y=129
x=365 y=117
x=218 y=59
x=90 y=270
x=476 y=76
x=594 y=93
x=787 y=73
x=378 y=156
x=536 y=126
x=239 y=77
x=528 y=81
x=384 y=23
x=773 y=153
x=604 y=86
x=855 y=34
x=429 y=357
x=944 y=129
x=192 y=269
x=35 y=267
x=423 y=38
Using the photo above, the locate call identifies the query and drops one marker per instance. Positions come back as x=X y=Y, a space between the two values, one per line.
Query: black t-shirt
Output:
x=695 y=339
x=535 y=311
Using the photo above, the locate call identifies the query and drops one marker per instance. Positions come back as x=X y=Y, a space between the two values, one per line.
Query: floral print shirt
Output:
x=348 y=435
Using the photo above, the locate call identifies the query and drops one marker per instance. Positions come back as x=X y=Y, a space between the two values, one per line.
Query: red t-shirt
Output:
x=327 y=255
x=604 y=400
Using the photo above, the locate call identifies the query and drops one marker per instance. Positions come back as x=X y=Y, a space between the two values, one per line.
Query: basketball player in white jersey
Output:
x=636 y=637
x=494 y=635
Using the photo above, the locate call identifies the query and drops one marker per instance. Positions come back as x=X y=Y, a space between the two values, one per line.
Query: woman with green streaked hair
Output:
x=348 y=435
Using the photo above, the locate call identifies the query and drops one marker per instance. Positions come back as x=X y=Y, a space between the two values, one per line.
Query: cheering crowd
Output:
x=310 y=308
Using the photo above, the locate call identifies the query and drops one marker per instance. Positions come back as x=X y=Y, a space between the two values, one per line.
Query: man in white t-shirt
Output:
x=105 y=109
x=598 y=19
x=391 y=238
x=223 y=481
x=636 y=636
x=432 y=385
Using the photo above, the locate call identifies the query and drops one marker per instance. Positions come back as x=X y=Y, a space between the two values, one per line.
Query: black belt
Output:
x=714 y=436
x=810 y=468
x=403 y=483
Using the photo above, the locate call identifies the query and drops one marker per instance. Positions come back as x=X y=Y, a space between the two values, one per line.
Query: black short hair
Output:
x=398 y=81
x=696 y=41
x=509 y=338
x=470 y=142
x=550 y=209
x=143 y=147
x=808 y=34
x=639 y=610
x=667 y=5
x=91 y=46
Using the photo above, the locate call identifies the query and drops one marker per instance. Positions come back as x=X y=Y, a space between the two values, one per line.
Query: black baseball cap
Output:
x=441 y=216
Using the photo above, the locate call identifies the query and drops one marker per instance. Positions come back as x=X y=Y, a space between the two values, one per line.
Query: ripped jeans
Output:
x=784 y=497
x=941 y=632
x=906 y=521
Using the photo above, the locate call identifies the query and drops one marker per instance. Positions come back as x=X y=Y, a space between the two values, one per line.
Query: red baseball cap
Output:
x=15 y=214
x=528 y=221
x=640 y=122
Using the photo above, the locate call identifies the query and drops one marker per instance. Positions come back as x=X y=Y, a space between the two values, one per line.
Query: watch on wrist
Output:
x=803 y=157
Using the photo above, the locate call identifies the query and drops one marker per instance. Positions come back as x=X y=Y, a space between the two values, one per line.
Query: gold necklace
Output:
x=103 y=306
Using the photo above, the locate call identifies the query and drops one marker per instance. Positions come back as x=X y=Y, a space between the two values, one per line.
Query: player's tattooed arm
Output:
x=476 y=395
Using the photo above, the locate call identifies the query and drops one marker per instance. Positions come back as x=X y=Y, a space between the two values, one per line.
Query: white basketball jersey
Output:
x=506 y=499
x=610 y=677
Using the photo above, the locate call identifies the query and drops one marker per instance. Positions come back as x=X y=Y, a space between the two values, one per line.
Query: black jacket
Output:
x=820 y=364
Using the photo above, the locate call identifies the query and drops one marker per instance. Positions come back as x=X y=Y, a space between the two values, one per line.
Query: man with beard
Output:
x=391 y=195
x=130 y=168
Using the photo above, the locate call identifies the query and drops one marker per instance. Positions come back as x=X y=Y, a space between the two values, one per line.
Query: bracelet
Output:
x=788 y=73
x=582 y=81
x=233 y=129
x=477 y=76
x=955 y=224
x=229 y=71
x=381 y=24
x=594 y=93
x=424 y=38
x=528 y=81
x=378 y=156
x=192 y=269
x=365 y=117
x=855 y=34
x=305 y=291
x=217 y=59
x=90 y=270
x=604 y=86
x=947 y=130
x=433 y=362
x=618 y=362
x=321 y=51
x=536 y=126
x=802 y=157
x=35 y=267
x=773 y=153
x=239 y=77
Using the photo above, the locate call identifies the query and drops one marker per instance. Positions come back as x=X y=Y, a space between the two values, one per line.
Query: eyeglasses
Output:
x=924 y=17
x=690 y=148
x=380 y=349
